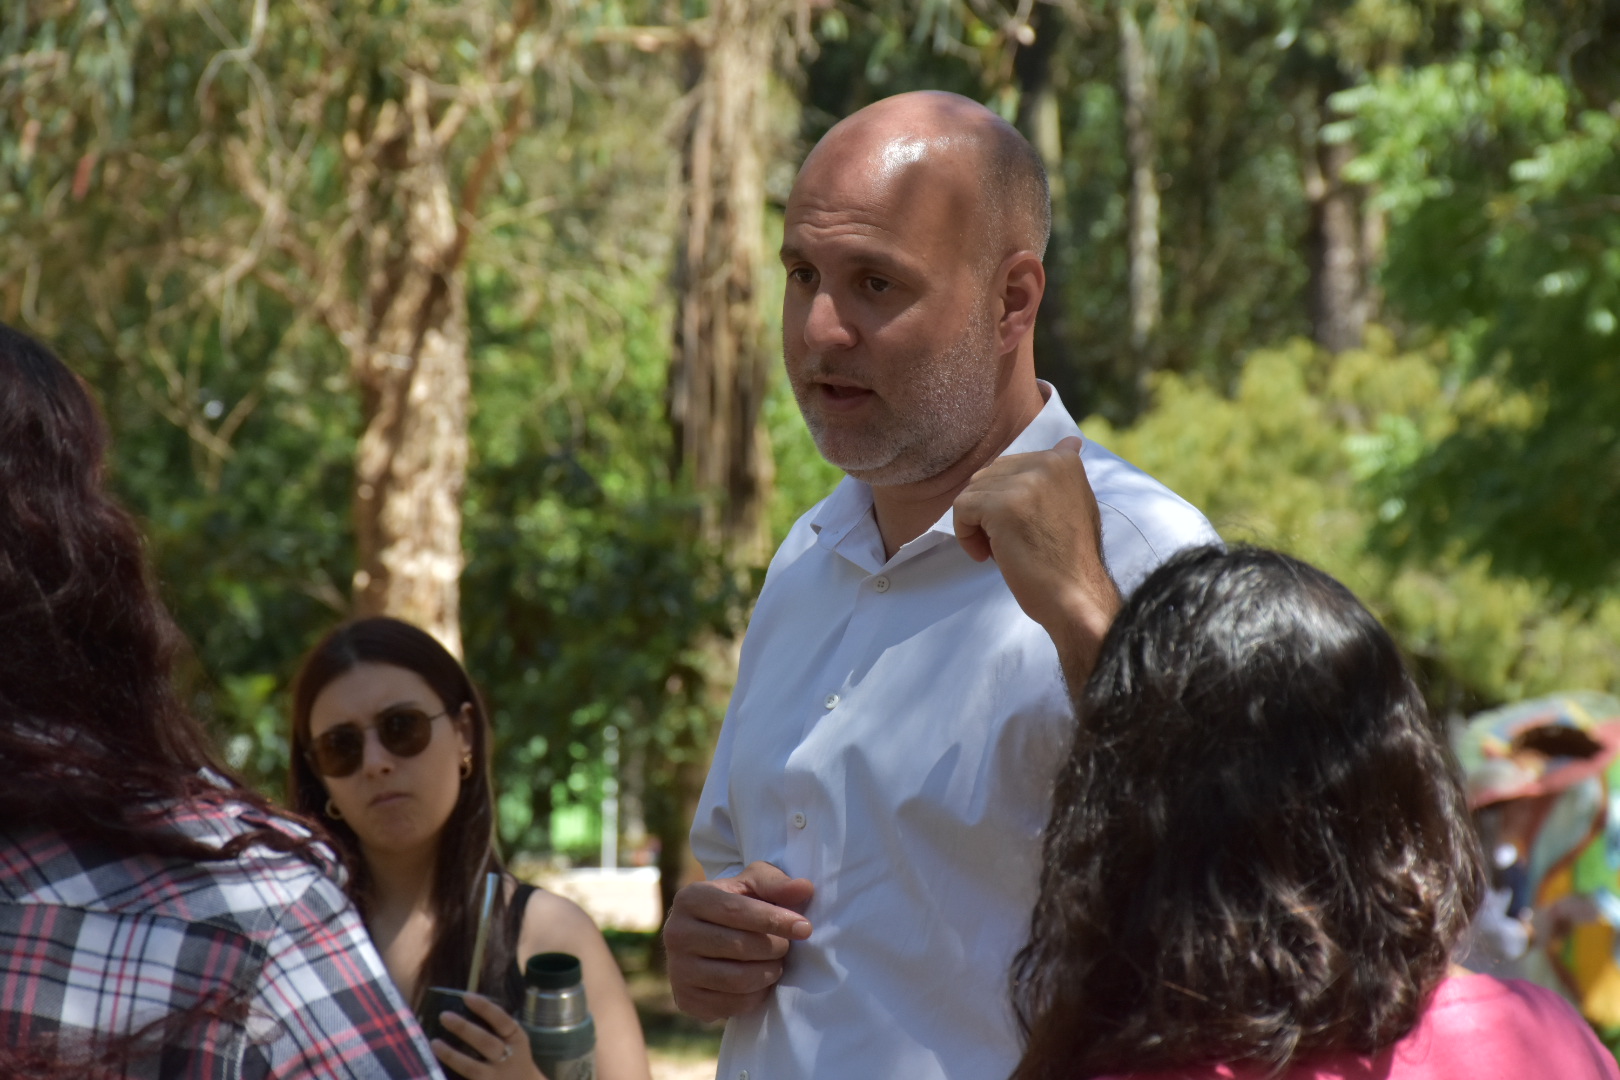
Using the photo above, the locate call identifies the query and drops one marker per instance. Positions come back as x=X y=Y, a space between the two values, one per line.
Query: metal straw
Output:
x=492 y=882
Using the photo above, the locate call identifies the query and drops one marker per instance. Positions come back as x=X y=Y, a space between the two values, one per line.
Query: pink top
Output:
x=1476 y=1028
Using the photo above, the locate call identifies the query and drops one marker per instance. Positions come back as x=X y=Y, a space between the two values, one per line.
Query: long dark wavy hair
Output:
x=95 y=741
x=467 y=848
x=1259 y=847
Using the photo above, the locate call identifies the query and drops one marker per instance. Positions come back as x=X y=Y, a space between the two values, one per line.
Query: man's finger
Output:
x=724 y=903
x=786 y=892
x=731 y=976
x=693 y=937
x=725 y=939
x=709 y=1006
x=970 y=516
x=969 y=533
x=998 y=496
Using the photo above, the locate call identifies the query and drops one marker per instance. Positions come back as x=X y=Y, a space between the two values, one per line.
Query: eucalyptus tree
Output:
x=273 y=234
x=735 y=55
x=325 y=162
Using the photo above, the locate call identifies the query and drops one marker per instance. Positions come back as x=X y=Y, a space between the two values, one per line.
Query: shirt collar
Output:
x=842 y=510
x=1051 y=426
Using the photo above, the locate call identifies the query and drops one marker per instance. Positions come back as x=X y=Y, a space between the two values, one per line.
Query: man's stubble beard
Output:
x=944 y=415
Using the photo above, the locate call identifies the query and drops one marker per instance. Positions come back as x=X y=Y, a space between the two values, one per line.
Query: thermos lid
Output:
x=552 y=971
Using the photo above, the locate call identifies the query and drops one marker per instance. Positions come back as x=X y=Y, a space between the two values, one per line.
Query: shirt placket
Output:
x=813 y=822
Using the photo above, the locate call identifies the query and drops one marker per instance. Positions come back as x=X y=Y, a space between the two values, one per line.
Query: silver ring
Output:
x=505 y=1053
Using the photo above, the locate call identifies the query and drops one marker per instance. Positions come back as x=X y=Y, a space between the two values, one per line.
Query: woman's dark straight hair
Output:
x=467 y=848
x=95 y=742
x=96 y=745
x=1259 y=848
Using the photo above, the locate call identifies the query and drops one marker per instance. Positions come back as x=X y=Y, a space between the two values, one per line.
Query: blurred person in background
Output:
x=157 y=917
x=390 y=749
x=1543 y=776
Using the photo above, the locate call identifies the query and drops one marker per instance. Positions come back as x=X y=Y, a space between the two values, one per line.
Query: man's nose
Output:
x=825 y=326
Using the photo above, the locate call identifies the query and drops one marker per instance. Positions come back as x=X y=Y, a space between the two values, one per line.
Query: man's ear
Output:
x=1022 y=283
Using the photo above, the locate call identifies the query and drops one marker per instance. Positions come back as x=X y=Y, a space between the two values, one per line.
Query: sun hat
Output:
x=1538 y=747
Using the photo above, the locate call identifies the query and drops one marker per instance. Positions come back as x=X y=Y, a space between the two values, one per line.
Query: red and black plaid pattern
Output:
x=154 y=967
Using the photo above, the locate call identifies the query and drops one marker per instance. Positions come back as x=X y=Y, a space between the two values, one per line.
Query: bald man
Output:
x=870 y=826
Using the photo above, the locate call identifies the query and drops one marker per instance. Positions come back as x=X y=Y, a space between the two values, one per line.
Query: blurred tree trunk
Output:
x=369 y=236
x=1040 y=120
x=385 y=275
x=720 y=368
x=1139 y=87
x=1344 y=242
x=409 y=360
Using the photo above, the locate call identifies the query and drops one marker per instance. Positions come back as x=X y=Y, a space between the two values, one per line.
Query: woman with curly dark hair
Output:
x=157 y=918
x=1260 y=860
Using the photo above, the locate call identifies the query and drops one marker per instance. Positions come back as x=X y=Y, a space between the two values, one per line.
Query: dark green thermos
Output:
x=562 y=1035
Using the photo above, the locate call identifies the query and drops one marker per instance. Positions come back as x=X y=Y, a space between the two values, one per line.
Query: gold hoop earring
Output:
x=332 y=811
x=466 y=767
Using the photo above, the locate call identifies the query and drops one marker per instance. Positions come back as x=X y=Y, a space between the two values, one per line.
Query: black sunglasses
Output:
x=403 y=732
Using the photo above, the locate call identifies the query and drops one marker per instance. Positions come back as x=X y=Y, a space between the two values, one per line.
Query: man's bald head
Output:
x=958 y=138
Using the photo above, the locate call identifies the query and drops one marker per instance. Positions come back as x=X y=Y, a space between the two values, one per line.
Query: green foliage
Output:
x=1232 y=205
x=584 y=590
x=1462 y=473
x=1501 y=174
x=1309 y=454
x=233 y=415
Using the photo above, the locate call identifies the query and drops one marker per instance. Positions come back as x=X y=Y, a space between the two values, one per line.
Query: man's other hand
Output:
x=727 y=939
x=1037 y=516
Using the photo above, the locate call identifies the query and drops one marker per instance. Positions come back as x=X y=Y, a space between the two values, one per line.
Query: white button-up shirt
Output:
x=893 y=737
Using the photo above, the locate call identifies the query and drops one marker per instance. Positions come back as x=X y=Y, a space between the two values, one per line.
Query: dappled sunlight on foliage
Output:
x=1311 y=454
x=199 y=210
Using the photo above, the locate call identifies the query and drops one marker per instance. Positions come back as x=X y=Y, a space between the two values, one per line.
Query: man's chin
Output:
x=893 y=472
x=877 y=465
x=862 y=465
x=896 y=467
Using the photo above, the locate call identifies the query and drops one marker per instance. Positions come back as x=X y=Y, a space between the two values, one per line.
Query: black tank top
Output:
x=515 y=985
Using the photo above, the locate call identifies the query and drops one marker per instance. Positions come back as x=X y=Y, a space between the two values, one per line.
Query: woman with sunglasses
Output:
x=390 y=750
x=157 y=917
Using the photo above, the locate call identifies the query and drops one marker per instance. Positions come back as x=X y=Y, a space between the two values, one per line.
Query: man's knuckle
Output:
x=751 y=948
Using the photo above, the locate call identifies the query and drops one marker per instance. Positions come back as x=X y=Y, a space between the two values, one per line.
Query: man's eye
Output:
x=802 y=274
x=879 y=285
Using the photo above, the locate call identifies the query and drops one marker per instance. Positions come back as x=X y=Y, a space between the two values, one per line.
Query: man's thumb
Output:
x=769 y=883
x=793 y=893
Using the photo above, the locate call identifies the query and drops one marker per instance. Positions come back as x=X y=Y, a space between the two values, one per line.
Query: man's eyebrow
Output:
x=872 y=260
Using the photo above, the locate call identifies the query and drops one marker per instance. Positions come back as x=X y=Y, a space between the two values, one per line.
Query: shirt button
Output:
x=743 y=1075
x=798 y=821
x=881 y=584
x=832 y=701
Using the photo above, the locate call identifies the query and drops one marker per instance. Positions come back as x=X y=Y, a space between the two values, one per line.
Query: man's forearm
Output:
x=1078 y=627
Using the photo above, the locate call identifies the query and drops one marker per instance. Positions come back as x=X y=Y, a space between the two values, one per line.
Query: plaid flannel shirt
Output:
x=256 y=966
